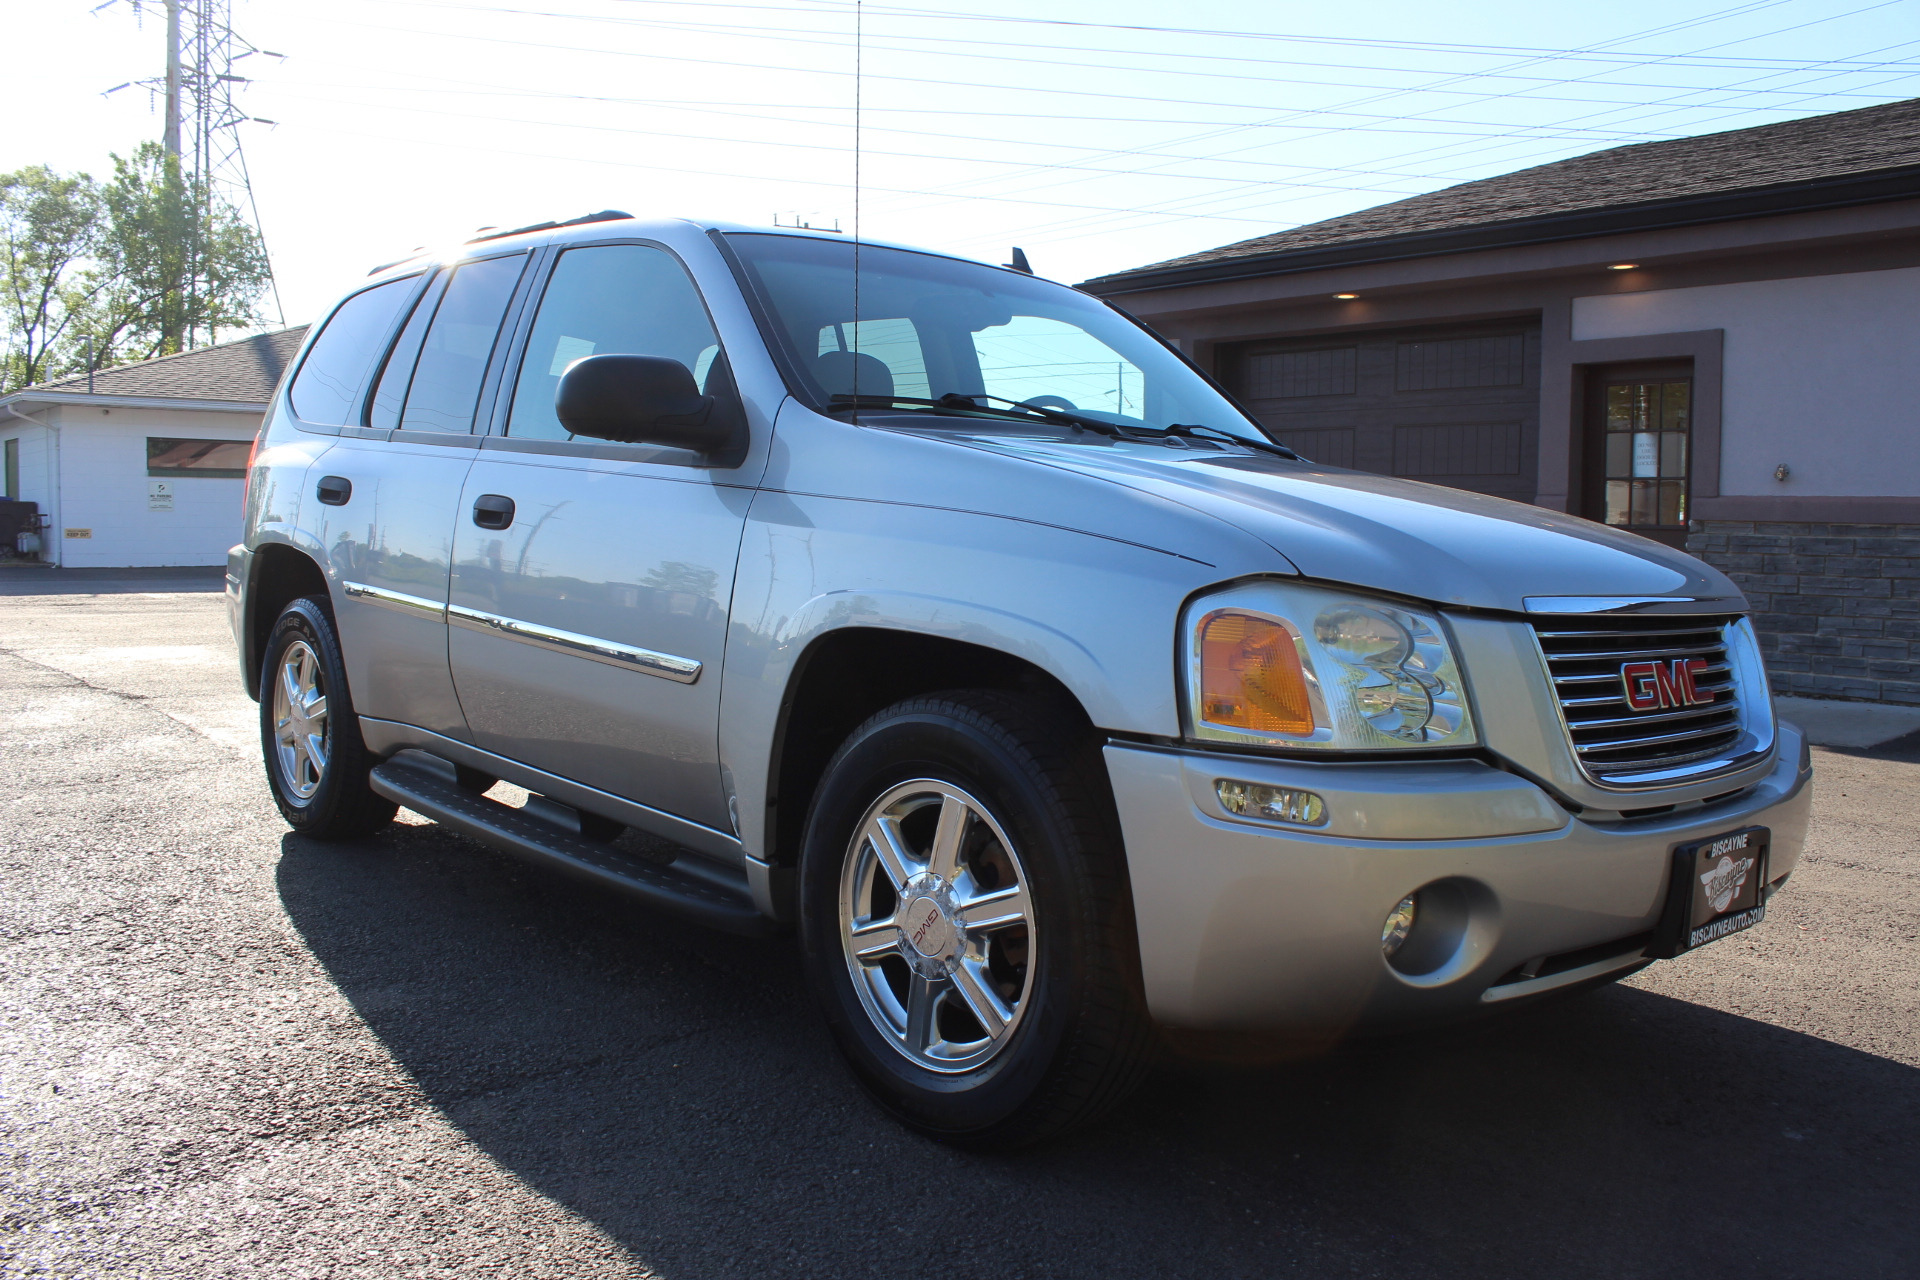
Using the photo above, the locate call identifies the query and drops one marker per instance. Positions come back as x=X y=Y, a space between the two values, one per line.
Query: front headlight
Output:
x=1280 y=665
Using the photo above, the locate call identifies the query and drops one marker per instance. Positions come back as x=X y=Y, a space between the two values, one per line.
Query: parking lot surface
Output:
x=227 y=1051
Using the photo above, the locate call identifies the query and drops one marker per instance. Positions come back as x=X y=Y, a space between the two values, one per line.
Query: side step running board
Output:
x=689 y=894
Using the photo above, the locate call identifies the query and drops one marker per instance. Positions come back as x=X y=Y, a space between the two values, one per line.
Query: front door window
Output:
x=1648 y=438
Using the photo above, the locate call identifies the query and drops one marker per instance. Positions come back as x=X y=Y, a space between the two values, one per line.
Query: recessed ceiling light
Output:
x=1346 y=297
x=1623 y=266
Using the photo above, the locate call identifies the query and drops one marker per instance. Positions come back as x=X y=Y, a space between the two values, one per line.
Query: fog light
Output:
x=1277 y=804
x=1399 y=924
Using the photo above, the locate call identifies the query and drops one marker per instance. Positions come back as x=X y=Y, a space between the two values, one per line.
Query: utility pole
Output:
x=171 y=138
x=202 y=130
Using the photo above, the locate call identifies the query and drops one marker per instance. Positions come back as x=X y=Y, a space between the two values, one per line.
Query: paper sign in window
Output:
x=565 y=351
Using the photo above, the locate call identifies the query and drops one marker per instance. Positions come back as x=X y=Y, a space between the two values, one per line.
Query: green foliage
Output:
x=148 y=264
x=50 y=229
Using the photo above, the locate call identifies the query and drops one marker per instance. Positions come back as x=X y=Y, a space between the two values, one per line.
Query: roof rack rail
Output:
x=605 y=215
x=388 y=266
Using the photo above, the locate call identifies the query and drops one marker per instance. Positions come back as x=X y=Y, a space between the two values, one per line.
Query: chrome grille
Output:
x=1618 y=745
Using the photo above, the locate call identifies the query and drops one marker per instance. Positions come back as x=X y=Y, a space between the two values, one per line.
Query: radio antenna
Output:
x=858 y=41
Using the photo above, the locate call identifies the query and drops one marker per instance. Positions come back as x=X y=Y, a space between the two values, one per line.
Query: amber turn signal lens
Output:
x=1250 y=676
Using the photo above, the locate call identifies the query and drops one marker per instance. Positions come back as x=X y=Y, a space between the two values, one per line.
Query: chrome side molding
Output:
x=1635 y=604
x=414 y=606
x=625 y=656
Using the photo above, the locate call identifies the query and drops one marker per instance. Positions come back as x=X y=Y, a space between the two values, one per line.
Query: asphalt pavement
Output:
x=229 y=1052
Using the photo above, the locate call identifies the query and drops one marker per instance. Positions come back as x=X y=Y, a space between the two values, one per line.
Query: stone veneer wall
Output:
x=1837 y=606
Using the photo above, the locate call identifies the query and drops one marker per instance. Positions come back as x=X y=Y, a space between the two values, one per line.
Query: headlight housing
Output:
x=1282 y=665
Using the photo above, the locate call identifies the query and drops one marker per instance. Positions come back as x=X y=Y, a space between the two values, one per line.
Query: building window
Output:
x=1649 y=429
x=197 y=459
x=13 y=467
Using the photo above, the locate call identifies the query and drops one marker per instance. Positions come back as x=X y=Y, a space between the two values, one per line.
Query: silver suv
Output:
x=949 y=616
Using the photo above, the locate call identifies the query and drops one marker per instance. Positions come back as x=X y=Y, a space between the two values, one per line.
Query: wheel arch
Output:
x=846 y=675
x=279 y=575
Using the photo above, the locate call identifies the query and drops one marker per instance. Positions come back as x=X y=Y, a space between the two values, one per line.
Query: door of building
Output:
x=1638 y=448
x=1457 y=406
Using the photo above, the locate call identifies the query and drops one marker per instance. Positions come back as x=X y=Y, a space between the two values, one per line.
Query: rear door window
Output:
x=328 y=387
x=390 y=391
x=626 y=299
x=445 y=387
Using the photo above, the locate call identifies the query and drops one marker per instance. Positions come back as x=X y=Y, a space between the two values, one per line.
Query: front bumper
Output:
x=1250 y=925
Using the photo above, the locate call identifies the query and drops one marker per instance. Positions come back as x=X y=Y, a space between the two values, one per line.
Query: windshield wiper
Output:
x=1021 y=410
x=1192 y=432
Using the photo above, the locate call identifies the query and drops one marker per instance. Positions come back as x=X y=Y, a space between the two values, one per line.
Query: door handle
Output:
x=493 y=511
x=334 y=490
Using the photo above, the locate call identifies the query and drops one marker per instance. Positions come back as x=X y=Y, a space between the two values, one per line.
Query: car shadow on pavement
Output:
x=673 y=1087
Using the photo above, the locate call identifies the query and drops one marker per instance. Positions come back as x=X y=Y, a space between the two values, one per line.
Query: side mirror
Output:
x=639 y=400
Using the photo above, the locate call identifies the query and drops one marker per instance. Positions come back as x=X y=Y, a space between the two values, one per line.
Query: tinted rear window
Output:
x=453 y=359
x=328 y=387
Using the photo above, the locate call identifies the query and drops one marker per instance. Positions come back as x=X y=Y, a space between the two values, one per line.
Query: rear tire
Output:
x=967 y=924
x=317 y=764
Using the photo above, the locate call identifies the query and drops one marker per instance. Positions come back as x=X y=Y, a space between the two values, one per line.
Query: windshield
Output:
x=929 y=326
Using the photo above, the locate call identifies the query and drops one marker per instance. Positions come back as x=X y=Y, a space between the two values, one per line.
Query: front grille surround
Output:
x=1621 y=749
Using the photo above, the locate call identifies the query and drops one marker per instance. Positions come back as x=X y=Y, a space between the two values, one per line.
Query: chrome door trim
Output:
x=413 y=606
x=625 y=656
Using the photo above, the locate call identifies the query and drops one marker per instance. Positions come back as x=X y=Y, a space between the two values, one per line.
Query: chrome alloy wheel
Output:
x=300 y=721
x=937 y=926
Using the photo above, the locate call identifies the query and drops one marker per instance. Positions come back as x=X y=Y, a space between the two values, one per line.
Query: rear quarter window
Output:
x=327 y=389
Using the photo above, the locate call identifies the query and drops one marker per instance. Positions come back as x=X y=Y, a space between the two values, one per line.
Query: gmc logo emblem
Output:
x=1655 y=686
x=920 y=934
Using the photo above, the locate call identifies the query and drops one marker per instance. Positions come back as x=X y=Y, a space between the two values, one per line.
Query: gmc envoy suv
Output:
x=951 y=618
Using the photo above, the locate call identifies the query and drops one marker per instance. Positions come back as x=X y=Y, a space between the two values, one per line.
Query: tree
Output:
x=151 y=264
x=181 y=265
x=50 y=230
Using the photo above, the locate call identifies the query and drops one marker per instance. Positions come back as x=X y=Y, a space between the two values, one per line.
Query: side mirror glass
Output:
x=639 y=400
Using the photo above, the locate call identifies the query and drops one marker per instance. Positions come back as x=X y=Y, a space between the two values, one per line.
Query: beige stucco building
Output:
x=1712 y=341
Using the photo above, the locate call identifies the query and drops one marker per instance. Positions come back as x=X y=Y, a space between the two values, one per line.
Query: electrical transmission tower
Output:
x=202 y=129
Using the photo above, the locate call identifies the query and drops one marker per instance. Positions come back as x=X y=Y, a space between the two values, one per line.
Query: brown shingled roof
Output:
x=1808 y=150
x=246 y=371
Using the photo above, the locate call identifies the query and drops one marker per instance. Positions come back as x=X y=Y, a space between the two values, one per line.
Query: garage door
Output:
x=1454 y=406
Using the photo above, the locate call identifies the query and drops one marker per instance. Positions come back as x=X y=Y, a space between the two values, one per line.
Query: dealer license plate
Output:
x=1718 y=889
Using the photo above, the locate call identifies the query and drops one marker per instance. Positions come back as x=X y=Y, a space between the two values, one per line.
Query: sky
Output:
x=1098 y=135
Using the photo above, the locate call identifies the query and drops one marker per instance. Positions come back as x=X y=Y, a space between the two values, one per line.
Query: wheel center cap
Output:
x=928 y=928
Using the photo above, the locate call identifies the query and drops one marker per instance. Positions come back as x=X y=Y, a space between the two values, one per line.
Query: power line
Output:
x=1190 y=206
x=1588 y=53
x=901 y=79
x=1426 y=126
x=998 y=52
x=999 y=56
x=1390 y=95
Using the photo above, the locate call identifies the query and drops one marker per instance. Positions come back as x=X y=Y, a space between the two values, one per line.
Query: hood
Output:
x=1424 y=541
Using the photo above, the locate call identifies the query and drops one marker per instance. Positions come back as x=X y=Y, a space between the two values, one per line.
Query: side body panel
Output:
x=387 y=552
x=641 y=556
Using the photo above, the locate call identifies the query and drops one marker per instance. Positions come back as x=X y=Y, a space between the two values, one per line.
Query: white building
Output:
x=144 y=464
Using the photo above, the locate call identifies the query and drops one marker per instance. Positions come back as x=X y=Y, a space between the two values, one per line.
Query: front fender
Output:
x=1097 y=614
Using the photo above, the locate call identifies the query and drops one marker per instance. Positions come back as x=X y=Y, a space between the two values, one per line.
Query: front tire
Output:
x=317 y=764
x=966 y=921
